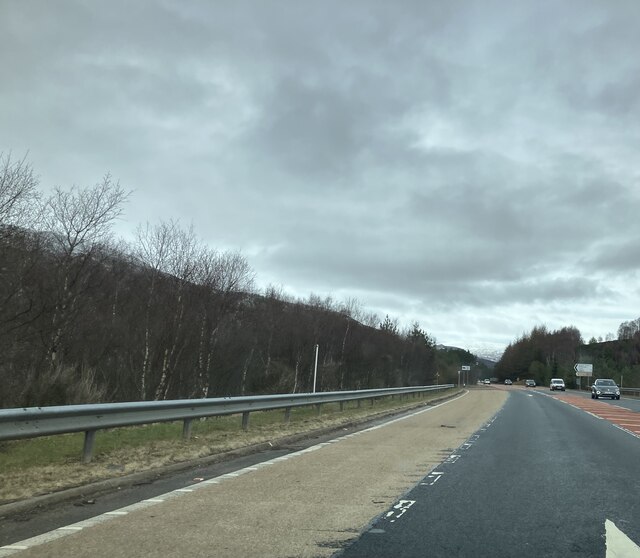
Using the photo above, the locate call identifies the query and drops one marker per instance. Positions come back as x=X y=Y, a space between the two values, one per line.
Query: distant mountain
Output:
x=487 y=362
x=487 y=359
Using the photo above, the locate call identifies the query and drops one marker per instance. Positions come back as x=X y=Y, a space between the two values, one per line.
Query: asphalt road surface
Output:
x=497 y=472
x=551 y=475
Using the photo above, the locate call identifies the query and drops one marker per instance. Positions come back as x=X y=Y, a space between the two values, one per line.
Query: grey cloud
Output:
x=434 y=157
x=621 y=256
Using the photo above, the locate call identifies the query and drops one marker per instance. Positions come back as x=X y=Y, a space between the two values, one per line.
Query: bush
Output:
x=62 y=386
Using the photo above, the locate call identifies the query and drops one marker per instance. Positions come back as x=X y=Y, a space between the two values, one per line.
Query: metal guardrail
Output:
x=32 y=422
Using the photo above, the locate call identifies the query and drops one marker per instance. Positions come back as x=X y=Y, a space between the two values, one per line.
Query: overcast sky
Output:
x=470 y=165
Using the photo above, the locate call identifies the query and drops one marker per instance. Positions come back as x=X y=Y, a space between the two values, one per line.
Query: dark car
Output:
x=605 y=388
x=530 y=383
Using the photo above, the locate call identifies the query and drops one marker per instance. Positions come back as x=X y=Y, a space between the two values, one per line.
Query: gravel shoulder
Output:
x=309 y=504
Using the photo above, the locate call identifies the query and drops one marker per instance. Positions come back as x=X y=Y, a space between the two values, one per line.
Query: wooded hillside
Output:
x=84 y=317
x=543 y=354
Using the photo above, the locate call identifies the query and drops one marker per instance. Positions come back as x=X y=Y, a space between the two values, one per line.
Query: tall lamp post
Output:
x=315 y=370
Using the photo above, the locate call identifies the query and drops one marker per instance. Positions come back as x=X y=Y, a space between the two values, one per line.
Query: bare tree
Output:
x=351 y=310
x=226 y=278
x=627 y=330
x=81 y=218
x=153 y=250
x=79 y=222
x=18 y=191
x=182 y=269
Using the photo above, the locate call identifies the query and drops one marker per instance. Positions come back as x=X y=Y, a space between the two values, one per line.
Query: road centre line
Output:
x=602 y=411
x=635 y=434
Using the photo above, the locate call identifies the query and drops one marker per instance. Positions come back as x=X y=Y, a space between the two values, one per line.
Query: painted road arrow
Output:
x=618 y=544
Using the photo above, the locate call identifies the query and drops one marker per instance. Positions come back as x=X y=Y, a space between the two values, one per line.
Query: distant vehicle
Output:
x=530 y=383
x=508 y=382
x=487 y=381
x=605 y=388
x=557 y=384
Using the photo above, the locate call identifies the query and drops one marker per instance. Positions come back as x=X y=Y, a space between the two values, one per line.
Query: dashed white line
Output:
x=399 y=510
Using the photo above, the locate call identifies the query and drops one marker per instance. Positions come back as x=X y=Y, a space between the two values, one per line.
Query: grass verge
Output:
x=49 y=464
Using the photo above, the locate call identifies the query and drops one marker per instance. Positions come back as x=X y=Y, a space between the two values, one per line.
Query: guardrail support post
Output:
x=87 y=450
x=186 y=429
x=318 y=406
x=372 y=401
x=287 y=415
x=245 y=421
x=341 y=405
x=359 y=403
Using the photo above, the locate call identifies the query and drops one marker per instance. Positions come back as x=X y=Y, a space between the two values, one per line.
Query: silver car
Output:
x=605 y=388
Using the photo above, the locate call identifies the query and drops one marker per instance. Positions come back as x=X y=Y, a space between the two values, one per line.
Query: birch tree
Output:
x=153 y=251
x=166 y=251
x=225 y=278
x=19 y=201
x=182 y=269
x=19 y=248
x=19 y=194
x=79 y=221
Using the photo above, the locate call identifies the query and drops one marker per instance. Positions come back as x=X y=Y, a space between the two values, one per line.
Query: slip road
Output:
x=309 y=503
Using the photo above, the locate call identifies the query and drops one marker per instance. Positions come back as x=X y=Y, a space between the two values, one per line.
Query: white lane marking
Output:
x=451 y=459
x=626 y=431
x=579 y=408
x=434 y=477
x=399 y=510
x=618 y=544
